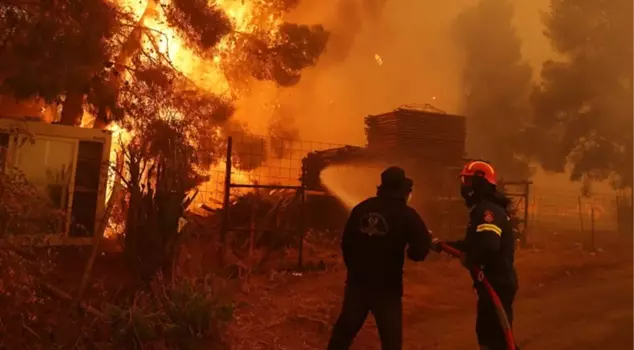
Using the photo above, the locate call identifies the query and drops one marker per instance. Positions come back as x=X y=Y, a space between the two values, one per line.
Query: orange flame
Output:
x=208 y=73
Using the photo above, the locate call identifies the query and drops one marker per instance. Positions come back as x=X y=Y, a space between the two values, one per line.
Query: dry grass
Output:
x=296 y=312
x=189 y=313
x=278 y=309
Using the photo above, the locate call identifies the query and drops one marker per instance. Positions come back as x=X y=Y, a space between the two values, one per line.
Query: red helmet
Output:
x=478 y=168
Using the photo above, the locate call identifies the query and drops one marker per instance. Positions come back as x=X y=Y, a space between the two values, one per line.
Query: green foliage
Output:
x=59 y=31
x=180 y=315
x=52 y=50
x=298 y=47
x=21 y=300
x=24 y=209
x=497 y=83
x=156 y=96
x=185 y=314
x=161 y=170
x=583 y=105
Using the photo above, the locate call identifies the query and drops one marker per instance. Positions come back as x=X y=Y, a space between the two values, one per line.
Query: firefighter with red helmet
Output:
x=490 y=245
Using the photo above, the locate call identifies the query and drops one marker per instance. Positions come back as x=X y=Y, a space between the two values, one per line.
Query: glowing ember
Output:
x=378 y=59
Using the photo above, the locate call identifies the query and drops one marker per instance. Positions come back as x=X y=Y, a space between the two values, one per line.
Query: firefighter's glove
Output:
x=435 y=244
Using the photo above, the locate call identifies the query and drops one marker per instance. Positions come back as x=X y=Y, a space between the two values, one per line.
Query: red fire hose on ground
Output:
x=504 y=321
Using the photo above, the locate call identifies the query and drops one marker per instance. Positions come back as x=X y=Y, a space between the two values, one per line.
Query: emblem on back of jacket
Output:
x=374 y=224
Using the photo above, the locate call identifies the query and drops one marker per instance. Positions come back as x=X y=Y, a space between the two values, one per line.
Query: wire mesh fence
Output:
x=566 y=215
x=259 y=188
x=568 y=210
x=278 y=189
x=259 y=161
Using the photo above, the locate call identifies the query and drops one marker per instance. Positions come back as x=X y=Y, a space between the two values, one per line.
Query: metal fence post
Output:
x=302 y=201
x=619 y=229
x=580 y=215
x=225 y=205
x=523 y=240
x=592 y=237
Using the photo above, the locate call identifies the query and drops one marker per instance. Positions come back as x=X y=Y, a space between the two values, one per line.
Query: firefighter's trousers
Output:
x=488 y=328
x=357 y=303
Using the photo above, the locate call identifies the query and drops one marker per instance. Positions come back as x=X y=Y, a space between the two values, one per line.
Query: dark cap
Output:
x=394 y=178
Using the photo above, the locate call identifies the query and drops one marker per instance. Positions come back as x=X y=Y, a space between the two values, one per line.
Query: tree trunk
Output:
x=133 y=42
x=630 y=220
x=130 y=47
x=130 y=242
x=72 y=109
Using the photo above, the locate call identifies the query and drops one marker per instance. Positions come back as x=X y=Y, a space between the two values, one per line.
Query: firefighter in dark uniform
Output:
x=373 y=244
x=489 y=244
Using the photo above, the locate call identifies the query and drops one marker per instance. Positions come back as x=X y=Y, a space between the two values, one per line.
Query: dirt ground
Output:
x=568 y=299
x=586 y=310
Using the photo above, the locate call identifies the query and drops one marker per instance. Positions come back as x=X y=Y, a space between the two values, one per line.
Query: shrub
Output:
x=161 y=170
x=184 y=314
x=25 y=311
x=23 y=208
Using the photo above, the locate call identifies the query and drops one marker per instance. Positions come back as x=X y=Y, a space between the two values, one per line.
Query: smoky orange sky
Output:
x=420 y=64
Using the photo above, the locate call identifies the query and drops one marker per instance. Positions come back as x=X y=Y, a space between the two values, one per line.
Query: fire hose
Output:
x=499 y=309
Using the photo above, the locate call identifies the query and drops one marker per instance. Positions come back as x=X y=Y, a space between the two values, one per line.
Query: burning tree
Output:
x=208 y=54
x=53 y=50
x=497 y=84
x=168 y=73
x=80 y=53
x=583 y=106
x=163 y=162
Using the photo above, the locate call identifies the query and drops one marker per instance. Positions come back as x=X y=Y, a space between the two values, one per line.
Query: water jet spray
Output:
x=349 y=183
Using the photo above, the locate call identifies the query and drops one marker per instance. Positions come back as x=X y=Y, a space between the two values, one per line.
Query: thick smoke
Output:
x=373 y=8
x=380 y=55
x=346 y=25
x=259 y=57
x=583 y=105
x=496 y=83
x=347 y=22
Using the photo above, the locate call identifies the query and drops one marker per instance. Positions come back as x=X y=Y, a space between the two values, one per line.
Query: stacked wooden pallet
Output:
x=417 y=134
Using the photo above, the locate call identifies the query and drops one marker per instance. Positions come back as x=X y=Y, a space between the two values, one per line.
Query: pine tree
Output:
x=497 y=84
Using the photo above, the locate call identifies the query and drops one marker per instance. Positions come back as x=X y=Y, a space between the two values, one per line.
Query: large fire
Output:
x=208 y=73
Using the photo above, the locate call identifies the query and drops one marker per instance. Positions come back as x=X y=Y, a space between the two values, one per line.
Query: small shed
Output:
x=68 y=166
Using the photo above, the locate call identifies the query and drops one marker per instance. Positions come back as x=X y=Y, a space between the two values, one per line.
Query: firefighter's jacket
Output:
x=490 y=244
x=374 y=241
